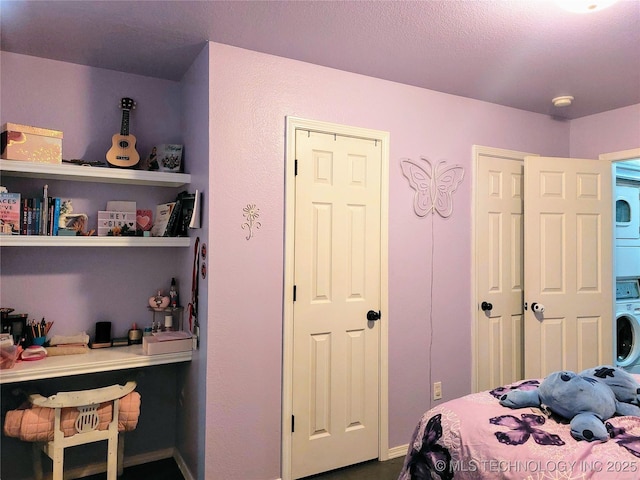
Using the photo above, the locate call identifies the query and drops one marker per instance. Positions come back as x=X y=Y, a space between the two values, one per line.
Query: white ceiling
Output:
x=519 y=53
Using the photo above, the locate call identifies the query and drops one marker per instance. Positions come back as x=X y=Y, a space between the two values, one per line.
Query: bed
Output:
x=474 y=437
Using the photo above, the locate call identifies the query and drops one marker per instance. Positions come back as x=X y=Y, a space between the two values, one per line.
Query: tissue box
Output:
x=158 y=344
x=31 y=144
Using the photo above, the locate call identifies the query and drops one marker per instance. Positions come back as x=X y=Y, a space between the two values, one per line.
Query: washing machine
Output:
x=627 y=227
x=628 y=324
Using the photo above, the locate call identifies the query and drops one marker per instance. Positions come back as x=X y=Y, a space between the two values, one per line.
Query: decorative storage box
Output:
x=31 y=144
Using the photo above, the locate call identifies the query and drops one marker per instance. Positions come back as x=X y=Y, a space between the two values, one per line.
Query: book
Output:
x=44 y=219
x=120 y=342
x=173 y=219
x=10 y=216
x=30 y=216
x=25 y=212
x=163 y=214
x=187 y=206
x=37 y=215
x=56 y=215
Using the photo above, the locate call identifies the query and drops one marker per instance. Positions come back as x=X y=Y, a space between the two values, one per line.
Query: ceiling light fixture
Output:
x=563 y=101
x=585 y=6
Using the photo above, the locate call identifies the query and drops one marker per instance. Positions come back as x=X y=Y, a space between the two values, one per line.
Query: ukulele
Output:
x=123 y=145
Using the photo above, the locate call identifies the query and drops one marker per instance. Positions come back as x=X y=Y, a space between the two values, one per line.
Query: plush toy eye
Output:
x=565 y=377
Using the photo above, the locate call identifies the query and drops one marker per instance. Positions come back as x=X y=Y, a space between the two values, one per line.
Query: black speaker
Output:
x=103 y=332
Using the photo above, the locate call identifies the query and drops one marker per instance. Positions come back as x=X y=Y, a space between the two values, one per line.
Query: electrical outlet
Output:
x=437 y=390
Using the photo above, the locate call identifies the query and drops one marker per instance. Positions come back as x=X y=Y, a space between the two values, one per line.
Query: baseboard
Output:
x=399 y=451
x=101 y=467
x=148 y=457
x=182 y=465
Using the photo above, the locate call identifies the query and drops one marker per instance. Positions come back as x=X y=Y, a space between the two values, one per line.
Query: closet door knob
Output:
x=373 y=316
x=486 y=306
x=537 y=307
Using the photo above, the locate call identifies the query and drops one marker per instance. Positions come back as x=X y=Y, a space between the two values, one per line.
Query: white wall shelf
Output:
x=81 y=241
x=14 y=168
x=99 y=360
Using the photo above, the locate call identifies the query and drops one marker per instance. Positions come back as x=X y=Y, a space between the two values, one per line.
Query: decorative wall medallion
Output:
x=251 y=213
x=434 y=186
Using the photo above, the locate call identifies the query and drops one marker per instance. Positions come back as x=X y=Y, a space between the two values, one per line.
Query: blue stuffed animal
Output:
x=587 y=399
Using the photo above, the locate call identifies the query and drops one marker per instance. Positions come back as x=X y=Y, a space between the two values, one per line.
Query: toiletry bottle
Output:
x=173 y=294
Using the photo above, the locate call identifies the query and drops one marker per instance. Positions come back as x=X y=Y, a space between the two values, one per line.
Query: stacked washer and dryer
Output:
x=627 y=266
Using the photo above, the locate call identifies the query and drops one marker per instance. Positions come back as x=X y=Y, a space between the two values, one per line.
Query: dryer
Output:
x=627 y=217
x=628 y=324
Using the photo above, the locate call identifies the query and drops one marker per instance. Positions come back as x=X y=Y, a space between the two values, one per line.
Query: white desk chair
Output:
x=87 y=402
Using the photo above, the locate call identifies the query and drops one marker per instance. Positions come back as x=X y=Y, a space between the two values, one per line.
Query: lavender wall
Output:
x=607 y=132
x=192 y=391
x=251 y=94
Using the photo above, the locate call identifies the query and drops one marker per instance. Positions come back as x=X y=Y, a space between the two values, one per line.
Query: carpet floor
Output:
x=167 y=469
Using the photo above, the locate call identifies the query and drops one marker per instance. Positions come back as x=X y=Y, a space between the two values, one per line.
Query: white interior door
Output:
x=499 y=224
x=337 y=272
x=568 y=264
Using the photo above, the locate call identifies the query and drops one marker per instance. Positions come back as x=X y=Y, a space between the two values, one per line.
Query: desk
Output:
x=98 y=360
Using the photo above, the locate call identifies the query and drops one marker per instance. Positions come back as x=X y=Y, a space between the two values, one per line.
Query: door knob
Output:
x=373 y=316
x=486 y=306
x=537 y=307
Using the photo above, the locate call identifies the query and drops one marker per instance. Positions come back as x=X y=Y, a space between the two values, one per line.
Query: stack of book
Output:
x=174 y=218
x=29 y=215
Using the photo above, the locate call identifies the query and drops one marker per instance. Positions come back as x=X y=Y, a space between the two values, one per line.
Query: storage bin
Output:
x=31 y=144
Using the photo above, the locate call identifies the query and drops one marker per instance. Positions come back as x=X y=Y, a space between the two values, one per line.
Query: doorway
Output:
x=576 y=195
x=335 y=306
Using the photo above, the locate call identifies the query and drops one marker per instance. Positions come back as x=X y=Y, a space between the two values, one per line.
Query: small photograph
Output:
x=165 y=158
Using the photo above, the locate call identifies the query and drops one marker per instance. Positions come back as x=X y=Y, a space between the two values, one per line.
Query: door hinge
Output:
x=293 y=423
x=295 y=167
x=294 y=293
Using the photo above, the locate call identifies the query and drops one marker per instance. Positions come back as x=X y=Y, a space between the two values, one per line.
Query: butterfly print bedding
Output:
x=474 y=437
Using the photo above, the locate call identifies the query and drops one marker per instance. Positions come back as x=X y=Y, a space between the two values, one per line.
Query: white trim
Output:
x=399 y=451
x=292 y=123
x=477 y=151
x=621 y=155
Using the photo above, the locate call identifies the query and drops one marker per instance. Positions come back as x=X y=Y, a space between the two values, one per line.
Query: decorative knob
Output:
x=485 y=306
x=537 y=307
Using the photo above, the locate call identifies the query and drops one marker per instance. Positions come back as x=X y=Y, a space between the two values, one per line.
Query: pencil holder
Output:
x=39 y=340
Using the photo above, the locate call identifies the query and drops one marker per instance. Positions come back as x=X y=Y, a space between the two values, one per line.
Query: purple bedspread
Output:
x=474 y=437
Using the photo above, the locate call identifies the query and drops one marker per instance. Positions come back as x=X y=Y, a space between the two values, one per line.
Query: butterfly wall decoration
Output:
x=434 y=186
